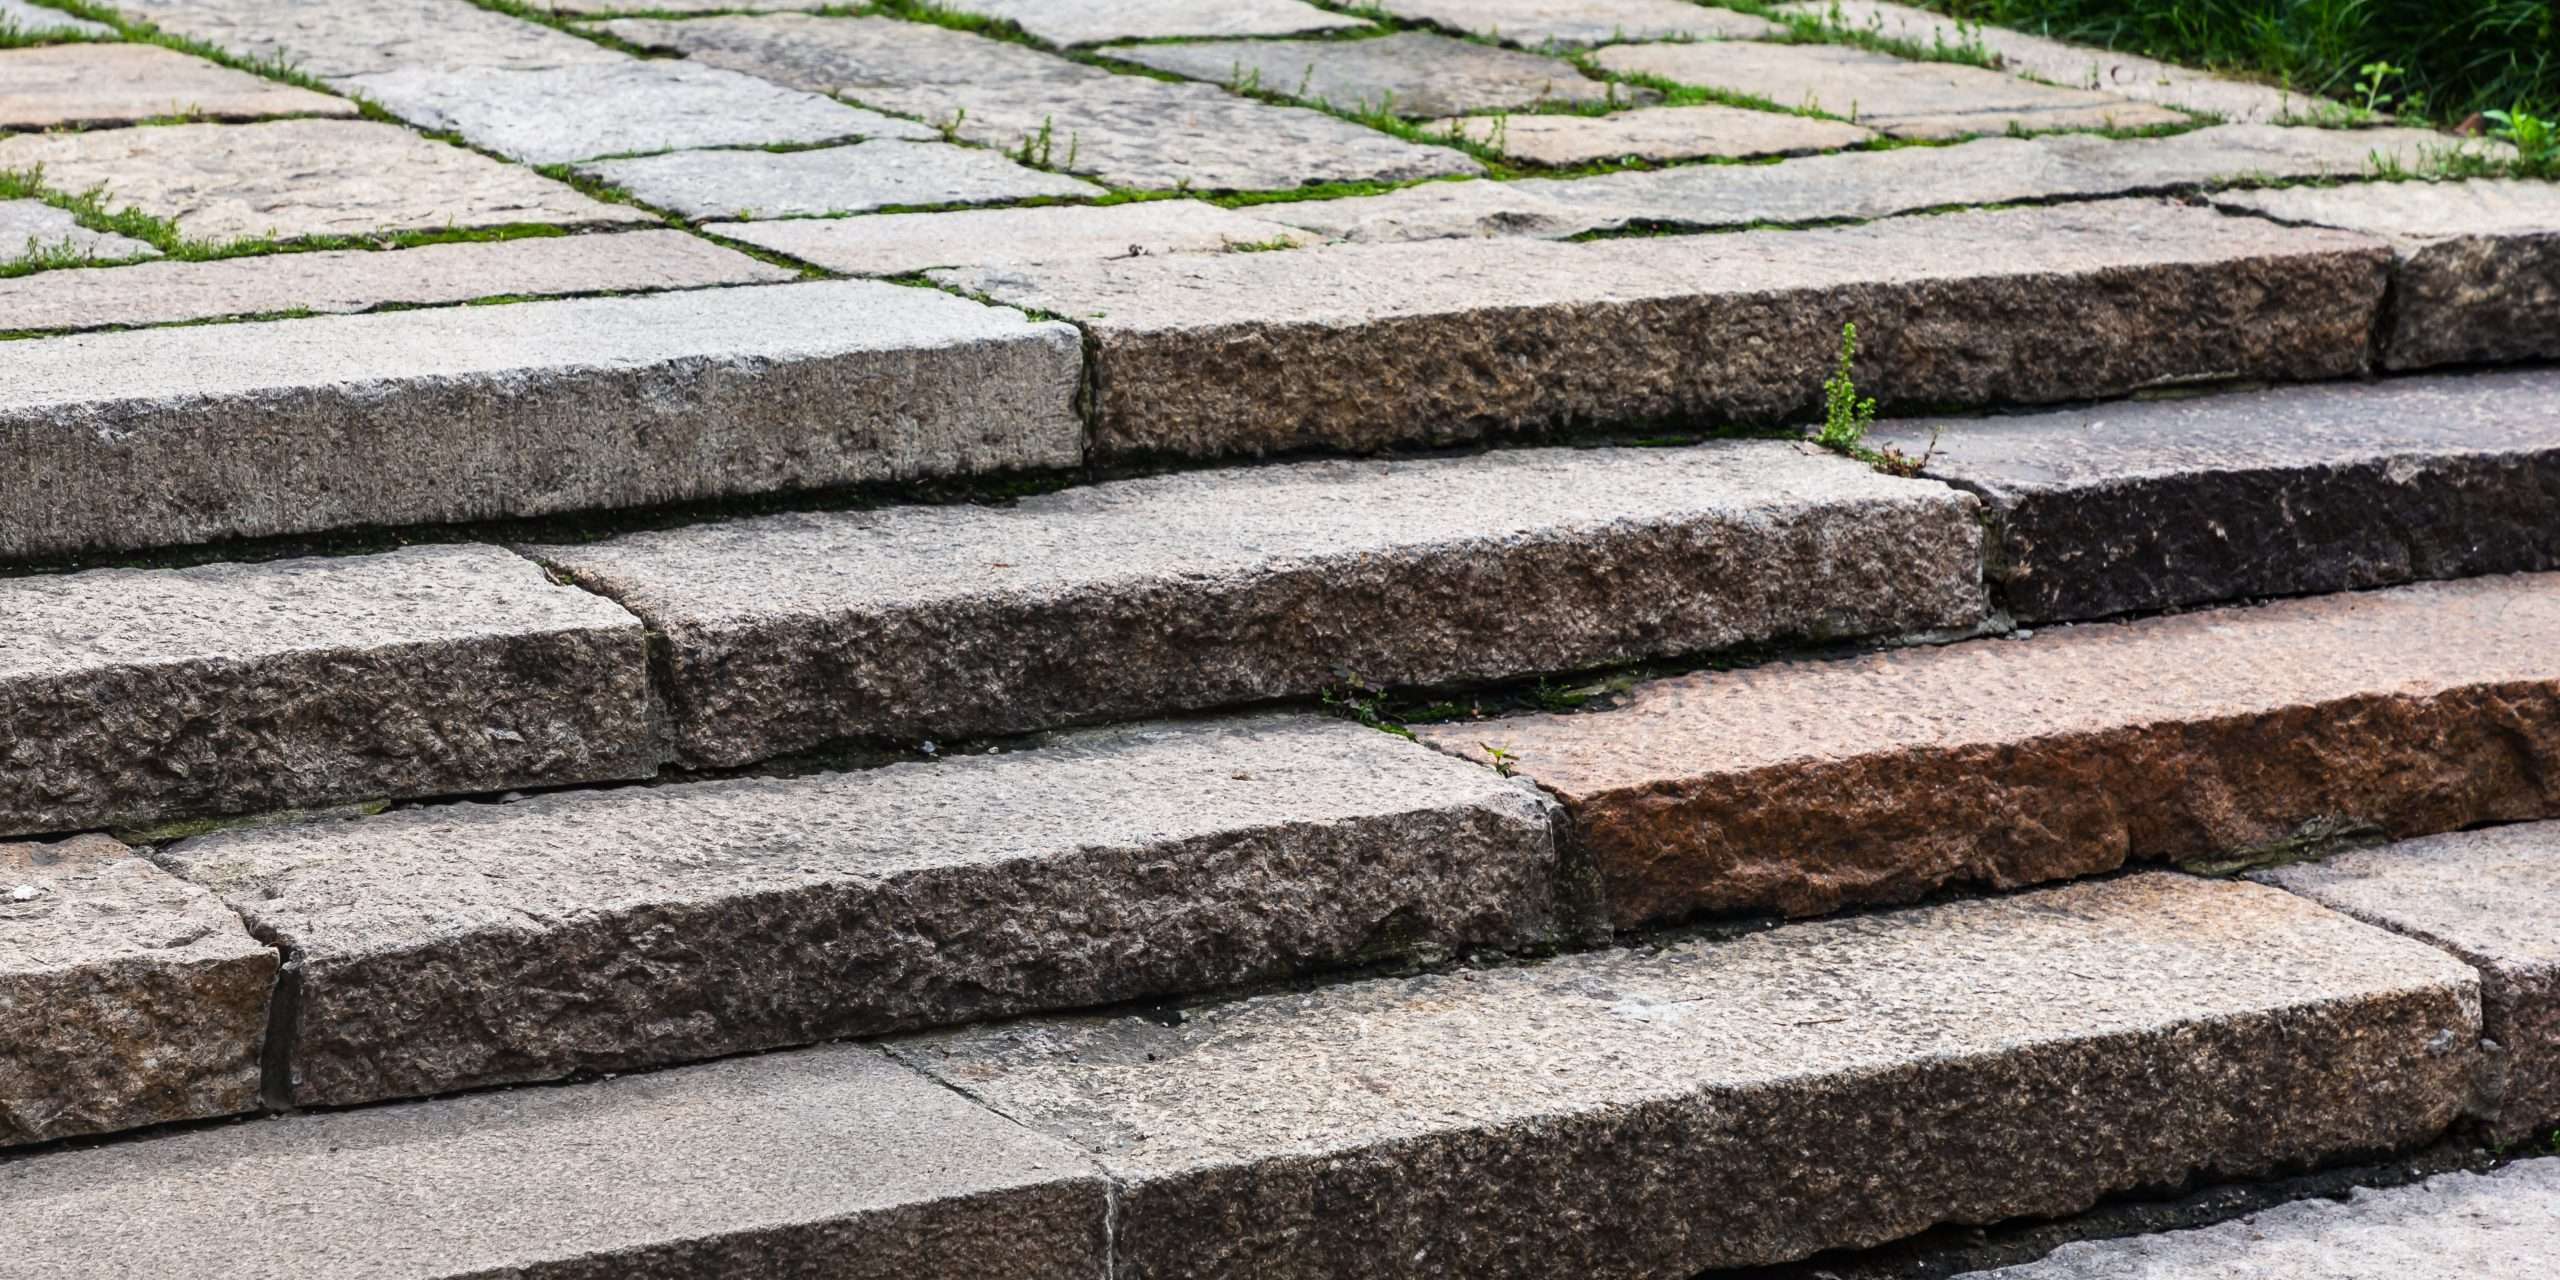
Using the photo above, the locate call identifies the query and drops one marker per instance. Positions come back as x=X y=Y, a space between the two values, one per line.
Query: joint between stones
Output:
x=284 y=1024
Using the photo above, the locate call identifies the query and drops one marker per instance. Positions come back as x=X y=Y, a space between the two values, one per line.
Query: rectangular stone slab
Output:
x=128 y=997
x=1073 y=22
x=1361 y=347
x=33 y=227
x=1893 y=95
x=1538 y=23
x=2146 y=505
x=1660 y=1111
x=834 y=1162
x=333 y=38
x=830 y=180
x=1804 y=786
x=94 y=86
x=35 y=19
x=891 y=244
x=130 y=695
x=1412 y=73
x=1223 y=587
x=166 y=436
x=464 y=945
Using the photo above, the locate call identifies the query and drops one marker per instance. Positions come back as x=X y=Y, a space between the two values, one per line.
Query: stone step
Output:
x=2147 y=505
x=1180 y=592
x=132 y=696
x=1657 y=1111
x=452 y=946
x=1804 y=786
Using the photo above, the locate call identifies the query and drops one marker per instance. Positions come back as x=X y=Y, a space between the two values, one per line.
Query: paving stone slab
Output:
x=29 y=227
x=2155 y=504
x=1126 y=130
x=589 y=8
x=1539 y=23
x=34 y=19
x=1657 y=134
x=290 y=178
x=476 y=944
x=82 y=86
x=1361 y=346
x=1804 y=786
x=2492 y=898
x=832 y=1162
x=2479 y=274
x=829 y=180
x=333 y=38
x=1142 y=597
x=1661 y=1111
x=171 y=436
x=130 y=695
x=1412 y=73
x=362 y=279
x=1902 y=98
x=562 y=114
x=127 y=996
x=1074 y=22
x=892 y=244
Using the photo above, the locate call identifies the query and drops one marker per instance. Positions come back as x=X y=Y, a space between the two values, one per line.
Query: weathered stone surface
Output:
x=1905 y=99
x=2479 y=274
x=1072 y=22
x=1127 y=130
x=130 y=695
x=29 y=227
x=1803 y=786
x=2492 y=898
x=168 y=436
x=867 y=175
x=1410 y=74
x=2154 y=504
x=332 y=38
x=127 y=996
x=96 y=85
x=893 y=244
x=34 y=19
x=361 y=279
x=1536 y=23
x=291 y=178
x=1705 y=1104
x=465 y=945
x=832 y=1162
x=561 y=114
x=591 y=7
x=1362 y=346
x=1142 y=597
x=1653 y=133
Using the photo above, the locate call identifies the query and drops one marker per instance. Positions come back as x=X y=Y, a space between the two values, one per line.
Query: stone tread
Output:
x=1411 y=74
x=1537 y=23
x=101 y=85
x=1075 y=22
x=34 y=19
x=830 y=180
x=336 y=38
x=30 y=226
x=1893 y=95
x=889 y=244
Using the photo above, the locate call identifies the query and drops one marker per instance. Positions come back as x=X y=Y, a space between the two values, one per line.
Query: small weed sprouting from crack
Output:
x=1847 y=417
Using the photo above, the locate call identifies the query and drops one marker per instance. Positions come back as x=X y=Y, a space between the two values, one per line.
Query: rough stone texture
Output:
x=1362 y=346
x=169 y=436
x=1072 y=22
x=127 y=997
x=893 y=244
x=302 y=178
x=32 y=19
x=1536 y=23
x=2492 y=898
x=477 y=944
x=830 y=1163
x=867 y=175
x=333 y=38
x=590 y=7
x=2154 y=504
x=1138 y=598
x=1905 y=99
x=581 y=112
x=2479 y=274
x=1653 y=133
x=97 y=85
x=134 y=694
x=31 y=226
x=2459 y=1226
x=1804 y=786
x=361 y=279
x=1661 y=1111
x=1413 y=73
x=1127 y=130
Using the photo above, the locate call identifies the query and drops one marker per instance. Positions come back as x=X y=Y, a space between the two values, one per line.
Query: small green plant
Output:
x=2373 y=86
x=1845 y=418
x=1504 y=762
x=1034 y=149
x=2536 y=140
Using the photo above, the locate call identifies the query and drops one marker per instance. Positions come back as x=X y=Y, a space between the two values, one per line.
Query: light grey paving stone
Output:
x=333 y=38
x=1537 y=23
x=832 y=1162
x=1412 y=73
x=2149 y=505
x=1126 y=130
x=360 y=279
x=290 y=178
x=2479 y=274
x=98 y=85
x=591 y=8
x=35 y=19
x=475 y=944
x=1709 y=1104
x=560 y=114
x=2492 y=898
x=2458 y=1226
x=130 y=695
x=854 y=179
x=170 y=436
x=1073 y=22
x=893 y=244
x=128 y=997
x=1657 y=134
x=1141 y=597
x=1358 y=346
x=32 y=227
x=1902 y=98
